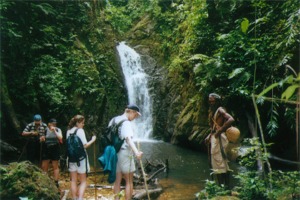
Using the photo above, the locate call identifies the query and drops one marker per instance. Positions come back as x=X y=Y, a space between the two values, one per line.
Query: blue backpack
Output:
x=75 y=149
x=111 y=137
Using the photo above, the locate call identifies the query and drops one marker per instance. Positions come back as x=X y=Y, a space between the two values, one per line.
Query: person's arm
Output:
x=137 y=153
x=89 y=143
x=28 y=133
x=228 y=120
x=58 y=134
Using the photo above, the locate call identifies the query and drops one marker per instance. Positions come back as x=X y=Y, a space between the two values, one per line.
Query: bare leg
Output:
x=45 y=165
x=82 y=186
x=129 y=185
x=73 y=184
x=117 y=184
x=55 y=169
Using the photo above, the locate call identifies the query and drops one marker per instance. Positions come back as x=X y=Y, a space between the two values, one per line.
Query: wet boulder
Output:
x=26 y=180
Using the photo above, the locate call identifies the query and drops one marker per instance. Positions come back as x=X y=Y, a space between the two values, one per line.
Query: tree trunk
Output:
x=7 y=106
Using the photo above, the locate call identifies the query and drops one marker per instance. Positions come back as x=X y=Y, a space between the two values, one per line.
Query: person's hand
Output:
x=207 y=139
x=94 y=138
x=139 y=155
x=42 y=139
x=34 y=133
x=217 y=134
x=52 y=128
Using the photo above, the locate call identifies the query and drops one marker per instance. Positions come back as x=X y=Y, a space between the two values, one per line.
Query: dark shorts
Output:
x=51 y=152
x=33 y=150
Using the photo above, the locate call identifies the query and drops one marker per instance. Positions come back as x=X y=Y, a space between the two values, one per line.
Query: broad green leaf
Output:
x=236 y=72
x=289 y=79
x=46 y=8
x=289 y=91
x=245 y=25
x=199 y=57
x=268 y=89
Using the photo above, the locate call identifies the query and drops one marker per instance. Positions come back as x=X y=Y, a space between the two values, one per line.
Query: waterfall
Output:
x=137 y=88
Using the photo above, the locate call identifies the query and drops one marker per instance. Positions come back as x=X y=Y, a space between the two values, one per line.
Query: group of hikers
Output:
x=43 y=142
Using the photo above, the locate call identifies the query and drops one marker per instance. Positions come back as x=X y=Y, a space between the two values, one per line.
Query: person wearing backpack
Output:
x=51 y=148
x=78 y=169
x=125 y=163
x=33 y=133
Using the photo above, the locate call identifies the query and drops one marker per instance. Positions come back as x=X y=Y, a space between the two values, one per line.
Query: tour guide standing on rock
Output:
x=219 y=121
x=33 y=131
x=125 y=164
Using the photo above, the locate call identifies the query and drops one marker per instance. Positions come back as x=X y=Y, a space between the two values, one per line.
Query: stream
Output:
x=187 y=173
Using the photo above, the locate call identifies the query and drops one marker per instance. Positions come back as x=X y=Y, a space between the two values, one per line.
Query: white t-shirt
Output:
x=126 y=128
x=80 y=133
x=73 y=166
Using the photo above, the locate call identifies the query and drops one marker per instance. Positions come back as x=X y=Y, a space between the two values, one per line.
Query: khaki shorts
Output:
x=125 y=161
x=79 y=169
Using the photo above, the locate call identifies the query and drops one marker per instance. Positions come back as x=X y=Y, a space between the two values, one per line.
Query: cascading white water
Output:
x=137 y=88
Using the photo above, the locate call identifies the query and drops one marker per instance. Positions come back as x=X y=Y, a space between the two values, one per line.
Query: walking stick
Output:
x=24 y=148
x=144 y=175
x=41 y=148
x=95 y=170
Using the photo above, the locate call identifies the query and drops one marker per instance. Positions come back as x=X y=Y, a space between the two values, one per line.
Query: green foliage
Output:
x=119 y=21
x=293 y=82
x=286 y=185
x=122 y=14
x=49 y=81
x=252 y=151
x=272 y=126
x=26 y=180
x=53 y=53
x=212 y=190
x=255 y=185
x=245 y=25
x=251 y=186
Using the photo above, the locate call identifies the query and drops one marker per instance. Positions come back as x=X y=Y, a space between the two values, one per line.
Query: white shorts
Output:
x=125 y=162
x=79 y=169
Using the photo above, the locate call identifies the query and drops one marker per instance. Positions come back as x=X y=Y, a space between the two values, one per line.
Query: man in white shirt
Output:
x=125 y=164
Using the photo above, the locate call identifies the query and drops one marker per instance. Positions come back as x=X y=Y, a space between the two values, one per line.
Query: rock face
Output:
x=179 y=115
x=26 y=180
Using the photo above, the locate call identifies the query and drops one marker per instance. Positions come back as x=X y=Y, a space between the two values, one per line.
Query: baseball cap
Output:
x=37 y=117
x=134 y=107
x=52 y=120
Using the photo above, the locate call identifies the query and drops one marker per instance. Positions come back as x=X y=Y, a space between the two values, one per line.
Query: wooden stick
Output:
x=144 y=175
x=95 y=170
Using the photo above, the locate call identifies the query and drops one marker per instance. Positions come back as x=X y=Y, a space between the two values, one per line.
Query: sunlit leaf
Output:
x=199 y=57
x=236 y=72
x=289 y=91
x=268 y=89
x=245 y=25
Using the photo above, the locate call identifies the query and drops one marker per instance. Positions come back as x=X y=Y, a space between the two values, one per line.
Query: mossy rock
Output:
x=26 y=180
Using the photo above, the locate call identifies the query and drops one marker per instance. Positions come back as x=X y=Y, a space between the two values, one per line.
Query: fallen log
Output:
x=141 y=194
x=103 y=186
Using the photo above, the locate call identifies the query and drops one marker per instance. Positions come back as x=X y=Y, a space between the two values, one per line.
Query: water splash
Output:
x=137 y=87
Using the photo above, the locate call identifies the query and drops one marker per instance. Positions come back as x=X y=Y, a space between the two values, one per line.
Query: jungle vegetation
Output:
x=58 y=59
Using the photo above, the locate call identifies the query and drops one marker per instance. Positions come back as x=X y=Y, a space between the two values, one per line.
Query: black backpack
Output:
x=111 y=137
x=75 y=148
